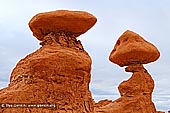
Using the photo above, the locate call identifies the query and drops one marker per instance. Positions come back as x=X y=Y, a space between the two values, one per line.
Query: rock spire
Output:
x=57 y=74
x=133 y=51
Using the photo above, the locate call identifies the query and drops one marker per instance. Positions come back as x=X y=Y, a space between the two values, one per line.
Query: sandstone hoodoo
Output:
x=72 y=23
x=133 y=51
x=59 y=72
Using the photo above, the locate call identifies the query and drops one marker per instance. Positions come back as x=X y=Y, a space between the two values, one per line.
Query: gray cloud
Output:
x=162 y=102
x=3 y=84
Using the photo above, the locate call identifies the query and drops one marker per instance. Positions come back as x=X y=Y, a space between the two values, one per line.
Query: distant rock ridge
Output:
x=59 y=72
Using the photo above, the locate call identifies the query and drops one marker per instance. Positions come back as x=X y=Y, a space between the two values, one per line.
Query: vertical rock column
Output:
x=132 y=51
x=57 y=73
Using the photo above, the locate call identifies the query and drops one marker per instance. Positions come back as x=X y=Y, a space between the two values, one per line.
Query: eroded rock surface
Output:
x=56 y=74
x=132 y=51
x=136 y=95
x=73 y=23
x=131 y=48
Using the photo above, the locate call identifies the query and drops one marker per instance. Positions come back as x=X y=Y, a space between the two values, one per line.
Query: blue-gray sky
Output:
x=149 y=18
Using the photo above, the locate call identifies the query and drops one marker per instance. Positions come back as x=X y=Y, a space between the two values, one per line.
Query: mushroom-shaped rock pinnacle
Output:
x=72 y=23
x=132 y=49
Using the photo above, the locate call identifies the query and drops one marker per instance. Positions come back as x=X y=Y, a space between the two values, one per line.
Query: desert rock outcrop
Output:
x=57 y=74
x=133 y=51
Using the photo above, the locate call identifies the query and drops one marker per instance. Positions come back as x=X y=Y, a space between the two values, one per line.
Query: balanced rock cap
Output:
x=73 y=23
x=131 y=49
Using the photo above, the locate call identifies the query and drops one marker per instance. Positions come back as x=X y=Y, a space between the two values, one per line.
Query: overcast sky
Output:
x=149 y=18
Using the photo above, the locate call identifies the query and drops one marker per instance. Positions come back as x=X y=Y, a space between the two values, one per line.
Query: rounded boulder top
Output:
x=73 y=23
x=131 y=49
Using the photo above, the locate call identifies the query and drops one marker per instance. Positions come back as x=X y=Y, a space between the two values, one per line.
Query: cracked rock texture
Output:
x=57 y=74
x=133 y=51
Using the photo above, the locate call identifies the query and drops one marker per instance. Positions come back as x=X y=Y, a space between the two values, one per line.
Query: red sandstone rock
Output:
x=103 y=103
x=53 y=75
x=136 y=93
x=58 y=74
x=131 y=48
x=160 y=112
x=73 y=23
x=141 y=83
